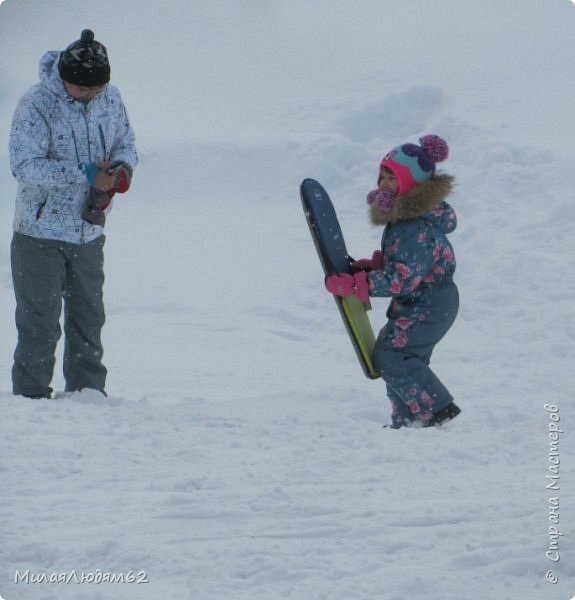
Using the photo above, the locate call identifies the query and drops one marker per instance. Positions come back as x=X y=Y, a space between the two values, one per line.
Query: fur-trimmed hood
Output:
x=416 y=203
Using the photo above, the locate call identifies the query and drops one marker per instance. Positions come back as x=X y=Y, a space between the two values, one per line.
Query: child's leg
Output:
x=403 y=351
x=400 y=413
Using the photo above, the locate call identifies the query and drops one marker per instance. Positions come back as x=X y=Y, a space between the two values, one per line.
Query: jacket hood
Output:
x=49 y=74
x=416 y=203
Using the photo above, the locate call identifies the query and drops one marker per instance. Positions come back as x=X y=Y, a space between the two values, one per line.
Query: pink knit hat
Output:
x=412 y=165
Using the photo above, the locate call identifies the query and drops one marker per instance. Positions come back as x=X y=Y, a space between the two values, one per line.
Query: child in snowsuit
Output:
x=415 y=268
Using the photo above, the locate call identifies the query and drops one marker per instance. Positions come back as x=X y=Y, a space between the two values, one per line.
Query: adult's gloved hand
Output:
x=109 y=177
x=97 y=203
x=122 y=173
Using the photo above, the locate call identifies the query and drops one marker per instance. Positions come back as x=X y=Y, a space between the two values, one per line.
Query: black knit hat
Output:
x=85 y=62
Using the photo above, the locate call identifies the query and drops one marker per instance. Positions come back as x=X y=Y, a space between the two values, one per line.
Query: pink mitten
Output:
x=348 y=285
x=374 y=263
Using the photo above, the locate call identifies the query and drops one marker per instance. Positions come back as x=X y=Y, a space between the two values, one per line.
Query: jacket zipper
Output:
x=40 y=210
x=103 y=140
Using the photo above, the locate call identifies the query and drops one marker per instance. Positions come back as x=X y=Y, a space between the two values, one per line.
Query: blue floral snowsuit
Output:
x=418 y=275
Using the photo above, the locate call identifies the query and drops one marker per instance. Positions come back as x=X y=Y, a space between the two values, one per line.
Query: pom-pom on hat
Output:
x=413 y=165
x=85 y=62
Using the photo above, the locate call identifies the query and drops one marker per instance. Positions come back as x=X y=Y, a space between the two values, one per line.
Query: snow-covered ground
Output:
x=241 y=453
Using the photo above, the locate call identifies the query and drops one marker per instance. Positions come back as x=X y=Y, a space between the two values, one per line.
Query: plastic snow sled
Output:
x=334 y=258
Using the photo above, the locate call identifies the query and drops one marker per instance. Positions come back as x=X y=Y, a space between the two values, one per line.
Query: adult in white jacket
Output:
x=71 y=149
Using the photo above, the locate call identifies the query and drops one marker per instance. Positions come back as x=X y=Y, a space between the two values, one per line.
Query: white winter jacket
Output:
x=52 y=138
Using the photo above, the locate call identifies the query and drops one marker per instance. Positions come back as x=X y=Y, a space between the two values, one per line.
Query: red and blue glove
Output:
x=98 y=200
x=123 y=173
x=348 y=285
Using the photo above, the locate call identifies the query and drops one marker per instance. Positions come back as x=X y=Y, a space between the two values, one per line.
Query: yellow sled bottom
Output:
x=361 y=332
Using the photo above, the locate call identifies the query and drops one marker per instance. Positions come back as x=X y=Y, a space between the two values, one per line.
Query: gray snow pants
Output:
x=44 y=273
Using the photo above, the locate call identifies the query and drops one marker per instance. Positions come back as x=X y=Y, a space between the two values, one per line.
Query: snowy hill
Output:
x=241 y=453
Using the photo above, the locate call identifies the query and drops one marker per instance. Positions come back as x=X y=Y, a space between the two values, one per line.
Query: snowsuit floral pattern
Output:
x=417 y=273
